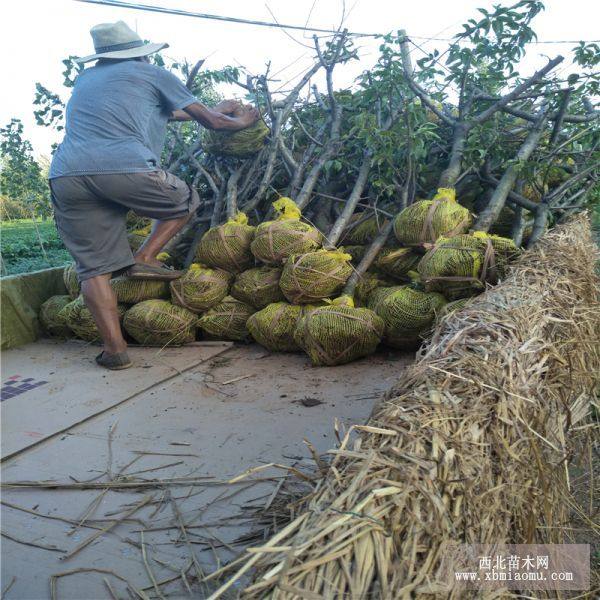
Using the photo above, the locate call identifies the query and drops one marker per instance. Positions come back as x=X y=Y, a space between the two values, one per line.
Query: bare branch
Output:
x=517 y=91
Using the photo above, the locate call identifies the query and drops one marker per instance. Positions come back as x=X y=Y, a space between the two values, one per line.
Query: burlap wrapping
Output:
x=243 y=143
x=363 y=230
x=227 y=247
x=227 y=320
x=462 y=265
x=275 y=241
x=200 y=288
x=334 y=335
x=273 y=326
x=258 y=287
x=316 y=275
x=53 y=323
x=80 y=321
x=71 y=281
x=426 y=220
x=160 y=323
x=407 y=313
x=356 y=252
x=396 y=262
x=452 y=307
x=132 y=291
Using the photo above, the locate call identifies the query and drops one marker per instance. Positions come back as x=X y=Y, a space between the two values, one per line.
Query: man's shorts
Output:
x=90 y=213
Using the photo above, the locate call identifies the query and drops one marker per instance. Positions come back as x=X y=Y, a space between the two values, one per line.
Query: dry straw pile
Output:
x=469 y=447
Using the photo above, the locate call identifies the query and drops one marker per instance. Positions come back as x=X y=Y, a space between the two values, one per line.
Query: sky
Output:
x=35 y=35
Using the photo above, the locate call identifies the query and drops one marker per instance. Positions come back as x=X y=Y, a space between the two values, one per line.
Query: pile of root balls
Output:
x=282 y=285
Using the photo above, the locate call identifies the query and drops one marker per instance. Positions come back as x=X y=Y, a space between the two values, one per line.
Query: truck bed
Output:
x=202 y=414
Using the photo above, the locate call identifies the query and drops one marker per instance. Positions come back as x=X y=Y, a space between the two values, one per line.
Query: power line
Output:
x=186 y=13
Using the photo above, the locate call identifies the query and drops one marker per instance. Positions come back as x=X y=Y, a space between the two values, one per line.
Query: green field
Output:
x=29 y=246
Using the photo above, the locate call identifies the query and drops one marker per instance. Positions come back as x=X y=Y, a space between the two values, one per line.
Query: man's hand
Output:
x=212 y=119
x=249 y=116
x=229 y=107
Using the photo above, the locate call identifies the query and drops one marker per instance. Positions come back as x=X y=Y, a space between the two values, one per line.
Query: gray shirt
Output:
x=116 y=119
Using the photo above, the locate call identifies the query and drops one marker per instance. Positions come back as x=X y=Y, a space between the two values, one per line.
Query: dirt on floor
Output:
x=128 y=482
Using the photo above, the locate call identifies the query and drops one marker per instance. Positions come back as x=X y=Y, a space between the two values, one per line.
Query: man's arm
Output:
x=226 y=107
x=213 y=119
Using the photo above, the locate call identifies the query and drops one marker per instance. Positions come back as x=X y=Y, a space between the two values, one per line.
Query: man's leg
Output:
x=102 y=303
x=162 y=232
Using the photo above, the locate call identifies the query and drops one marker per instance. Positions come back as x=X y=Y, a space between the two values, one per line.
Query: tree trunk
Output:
x=350 y=206
x=459 y=139
x=498 y=199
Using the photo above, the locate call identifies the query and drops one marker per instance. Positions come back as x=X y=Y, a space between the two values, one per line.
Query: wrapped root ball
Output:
x=227 y=320
x=504 y=224
x=315 y=275
x=80 y=321
x=275 y=241
x=200 y=288
x=363 y=230
x=54 y=323
x=242 y=143
x=132 y=291
x=453 y=306
x=356 y=252
x=71 y=281
x=258 y=287
x=273 y=326
x=462 y=265
x=227 y=246
x=407 y=313
x=338 y=333
x=396 y=262
x=367 y=283
x=160 y=323
x=427 y=220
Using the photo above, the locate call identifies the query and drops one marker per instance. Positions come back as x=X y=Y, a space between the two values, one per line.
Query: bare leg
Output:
x=162 y=232
x=102 y=303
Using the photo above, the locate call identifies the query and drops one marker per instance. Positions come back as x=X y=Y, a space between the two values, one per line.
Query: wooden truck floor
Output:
x=207 y=411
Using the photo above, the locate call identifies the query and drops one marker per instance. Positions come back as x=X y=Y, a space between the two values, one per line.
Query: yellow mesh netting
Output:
x=227 y=320
x=132 y=291
x=338 y=333
x=71 y=281
x=461 y=265
x=80 y=321
x=275 y=241
x=200 y=287
x=258 y=286
x=356 y=252
x=315 y=275
x=361 y=230
x=53 y=323
x=160 y=323
x=503 y=225
x=273 y=326
x=396 y=262
x=427 y=220
x=452 y=307
x=368 y=282
x=407 y=313
x=227 y=246
x=243 y=143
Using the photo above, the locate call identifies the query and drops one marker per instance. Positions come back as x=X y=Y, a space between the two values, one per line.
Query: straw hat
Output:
x=118 y=41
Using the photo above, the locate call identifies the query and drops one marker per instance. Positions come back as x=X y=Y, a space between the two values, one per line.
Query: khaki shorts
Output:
x=90 y=213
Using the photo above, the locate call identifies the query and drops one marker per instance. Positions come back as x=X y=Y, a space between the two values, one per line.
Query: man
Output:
x=108 y=163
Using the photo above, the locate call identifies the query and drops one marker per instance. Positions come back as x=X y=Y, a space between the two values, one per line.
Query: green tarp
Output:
x=20 y=299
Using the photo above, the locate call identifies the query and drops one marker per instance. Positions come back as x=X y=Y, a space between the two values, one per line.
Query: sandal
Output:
x=144 y=271
x=114 y=362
